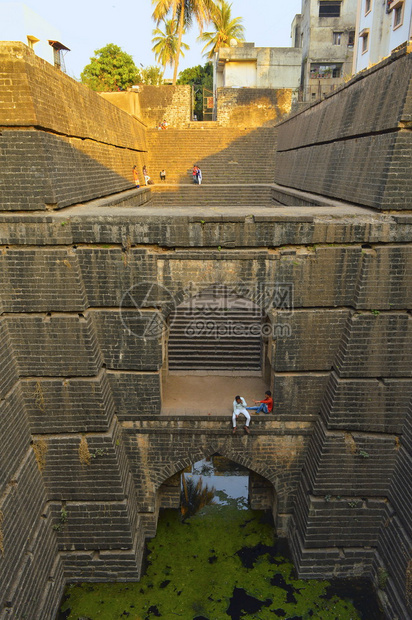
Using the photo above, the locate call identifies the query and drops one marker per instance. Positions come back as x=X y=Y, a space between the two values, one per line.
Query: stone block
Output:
x=68 y=405
x=376 y=344
x=9 y=371
x=385 y=281
x=350 y=464
x=115 y=276
x=299 y=394
x=317 y=274
x=39 y=280
x=93 y=525
x=20 y=508
x=135 y=394
x=85 y=468
x=25 y=597
x=310 y=341
x=129 y=339
x=14 y=435
x=369 y=405
x=58 y=345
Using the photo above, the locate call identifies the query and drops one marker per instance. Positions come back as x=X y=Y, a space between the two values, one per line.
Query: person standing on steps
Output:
x=136 y=176
x=163 y=175
x=146 y=176
x=265 y=405
x=194 y=173
x=199 y=176
x=239 y=407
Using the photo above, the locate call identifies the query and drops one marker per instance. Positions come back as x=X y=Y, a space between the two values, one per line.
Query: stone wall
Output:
x=252 y=107
x=356 y=144
x=170 y=103
x=61 y=143
x=81 y=395
x=87 y=459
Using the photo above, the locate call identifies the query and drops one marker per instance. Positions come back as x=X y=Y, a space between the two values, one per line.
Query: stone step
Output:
x=215 y=348
x=244 y=155
x=233 y=365
x=219 y=317
x=207 y=195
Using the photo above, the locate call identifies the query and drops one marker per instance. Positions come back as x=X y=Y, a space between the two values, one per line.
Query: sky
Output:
x=87 y=25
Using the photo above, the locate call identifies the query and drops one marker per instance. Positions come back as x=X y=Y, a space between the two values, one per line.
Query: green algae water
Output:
x=222 y=563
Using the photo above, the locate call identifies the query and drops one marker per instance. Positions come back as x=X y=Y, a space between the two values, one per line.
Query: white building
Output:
x=19 y=23
x=244 y=65
x=381 y=26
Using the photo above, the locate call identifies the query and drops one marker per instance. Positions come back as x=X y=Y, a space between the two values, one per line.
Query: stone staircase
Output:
x=224 y=154
x=211 y=195
x=215 y=333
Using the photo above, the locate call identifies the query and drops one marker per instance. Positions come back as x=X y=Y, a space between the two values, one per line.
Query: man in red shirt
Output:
x=265 y=405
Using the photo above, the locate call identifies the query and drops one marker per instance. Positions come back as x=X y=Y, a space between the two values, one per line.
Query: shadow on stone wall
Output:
x=42 y=171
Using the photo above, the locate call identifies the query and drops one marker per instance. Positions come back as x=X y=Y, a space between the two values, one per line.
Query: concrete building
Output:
x=244 y=65
x=19 y=23
x=296 y=31
x=381 y=27
x=327 y=41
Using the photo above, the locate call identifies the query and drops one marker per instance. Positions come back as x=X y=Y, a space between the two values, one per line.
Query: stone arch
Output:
x=256 y=468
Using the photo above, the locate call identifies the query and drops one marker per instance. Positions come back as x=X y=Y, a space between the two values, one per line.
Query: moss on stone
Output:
x=197 y=569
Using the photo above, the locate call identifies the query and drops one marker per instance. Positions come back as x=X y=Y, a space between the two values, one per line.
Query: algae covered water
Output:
x=222 y=563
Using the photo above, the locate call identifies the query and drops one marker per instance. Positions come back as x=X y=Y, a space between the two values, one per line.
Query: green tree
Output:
x=151 y=75
x=199 y=77
x=110 y=69
x=165 y=44
x=225 y=28
x=183 y=12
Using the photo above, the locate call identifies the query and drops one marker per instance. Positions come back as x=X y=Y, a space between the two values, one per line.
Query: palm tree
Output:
x=183 y=12
x=226 y=28
x=165 y=44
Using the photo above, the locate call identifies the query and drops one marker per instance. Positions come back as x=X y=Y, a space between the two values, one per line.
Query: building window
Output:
x=337 y=38
x=58 y=54
x=325 y=71
x=368 y=6
x=398 y=15
x=351 y=38
x=329 y=8
x=364 y=35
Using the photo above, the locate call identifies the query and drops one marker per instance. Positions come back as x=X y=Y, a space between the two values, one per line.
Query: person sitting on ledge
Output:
x=266 y=405
x=239 y=407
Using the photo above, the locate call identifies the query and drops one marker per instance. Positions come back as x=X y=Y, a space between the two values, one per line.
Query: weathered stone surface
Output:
x=355 y=145
x=81 y=373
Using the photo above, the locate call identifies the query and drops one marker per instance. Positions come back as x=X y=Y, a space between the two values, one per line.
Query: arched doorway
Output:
x=216 y=479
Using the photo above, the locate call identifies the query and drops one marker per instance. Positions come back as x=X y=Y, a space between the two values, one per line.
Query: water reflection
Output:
x=227 y=483
x=195 y=496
